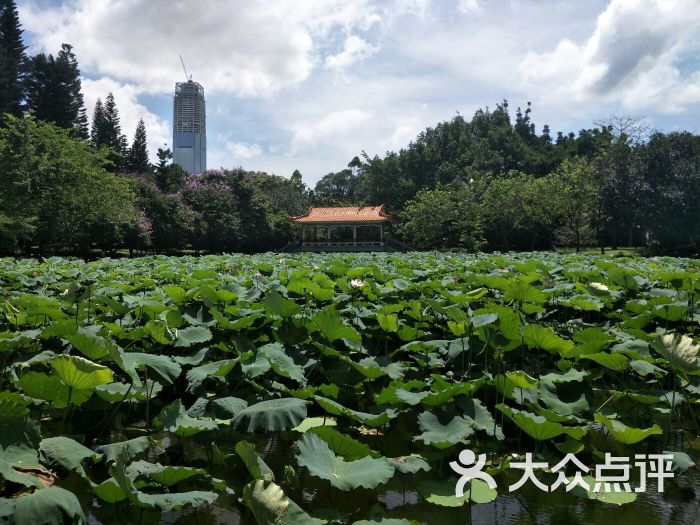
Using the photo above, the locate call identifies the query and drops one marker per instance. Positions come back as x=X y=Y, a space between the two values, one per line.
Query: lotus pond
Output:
x=325 y=388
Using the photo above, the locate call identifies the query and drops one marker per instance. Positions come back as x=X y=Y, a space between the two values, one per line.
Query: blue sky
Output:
x=309 y=84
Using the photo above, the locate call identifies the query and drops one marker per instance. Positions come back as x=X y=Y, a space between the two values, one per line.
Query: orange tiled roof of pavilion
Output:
x=345 y=214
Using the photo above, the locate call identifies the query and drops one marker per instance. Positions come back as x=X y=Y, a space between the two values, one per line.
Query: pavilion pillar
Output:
x=303 y=233
x=354 y=234
x=381 y=231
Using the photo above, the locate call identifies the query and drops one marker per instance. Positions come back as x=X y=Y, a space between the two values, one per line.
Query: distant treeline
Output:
x=491 y=183
x=488 y=183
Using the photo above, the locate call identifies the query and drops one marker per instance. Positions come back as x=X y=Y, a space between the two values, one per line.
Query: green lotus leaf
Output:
x=625 y=434
x=645 y=368
x=537 y=427
x=228 y=407
x=165 y=502
x=61 y=451
x=166 y=370
x=272 y=415
x=379 y=366
x=316 y=455
x=176 y=293
x=129 y=448
x=622 y=277
x=388 y=322
x=443 y=430
x=89 y=344
x=522 y=292
x=192 y=360
x=80 y=374
x=371 y=420
x=671 y=312
x=399 y=393
x=592 y=340
x=479 y=417
x=565 y=393
x=12 y=340
x=19 y=435
x=313 y=422
x=176 y=420
x=584 y=302
x=681 y=461
x=175 y=500
x=333 y=328
x=275 y=304
x=385 y=521
x=442 y=493
x=220 y=369
x=616 y=361
x=51 y=506
x=282 y=363
x=604 y=495
x=253 y=462
x=11 y=475
x=521 y=379
x=165 y=475
x=255 y=365
x=192 y=335
x=116 y=392
x=410 y=464
x=159 y=331
x=536 y=336
x=109 y=491
x=484 y=319
x=50 y=388
x=343 y=445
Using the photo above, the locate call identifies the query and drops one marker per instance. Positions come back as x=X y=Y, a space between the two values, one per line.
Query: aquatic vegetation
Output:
x=276 y=386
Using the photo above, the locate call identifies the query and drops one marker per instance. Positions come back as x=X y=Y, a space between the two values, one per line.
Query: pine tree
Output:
x=98 y=124
x=69 y=76
x=12 y=60
x=107 y=131
x=113 y=129
x=138 y=154
x=54 y=90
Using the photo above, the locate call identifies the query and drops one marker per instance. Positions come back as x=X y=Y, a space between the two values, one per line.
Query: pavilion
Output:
x=348 y=229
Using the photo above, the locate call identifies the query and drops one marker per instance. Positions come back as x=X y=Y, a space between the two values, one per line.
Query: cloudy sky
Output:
x=309 y=84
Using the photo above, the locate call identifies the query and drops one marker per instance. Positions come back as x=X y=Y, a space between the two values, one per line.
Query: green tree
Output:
x=671 y=195
x=18 y=210
x=107 y=132
x=170 y=219
x=62 y=185
x=12 y=60
x=442 y=218
x=98 y=129
x=574 y=196
x=54 y=91
x=138 y=153
x=337 y=189
x=169 y=177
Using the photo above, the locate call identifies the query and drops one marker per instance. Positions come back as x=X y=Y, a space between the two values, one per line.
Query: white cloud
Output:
x=158 y=131
x=243 y=151
x=299 y=84
x=240 y=47
x=468 y=6
x=355 y=50
x=404 y=132
x=630 y=58
x=332 y=127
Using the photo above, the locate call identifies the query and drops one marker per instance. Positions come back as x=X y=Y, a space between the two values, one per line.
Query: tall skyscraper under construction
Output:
x=190 y=127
